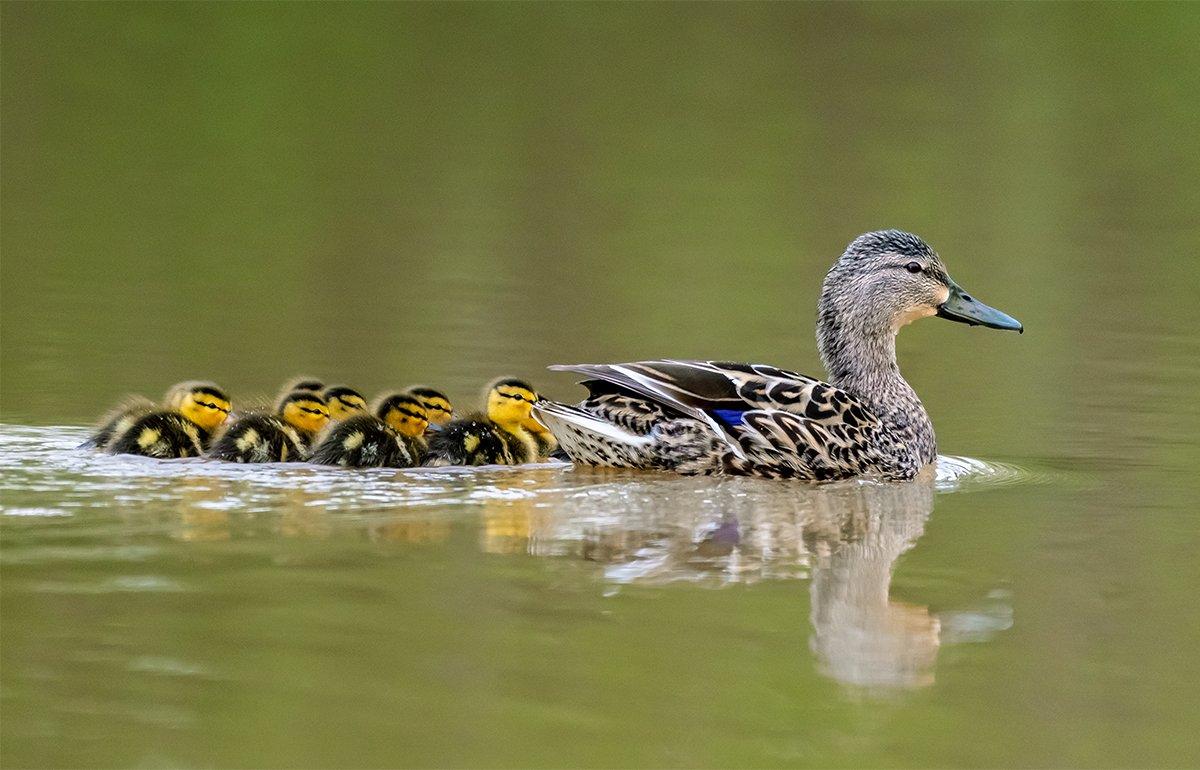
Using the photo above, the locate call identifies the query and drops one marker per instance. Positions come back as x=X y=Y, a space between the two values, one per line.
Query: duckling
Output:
x=501 y=437
x=275 y=438
x=436 y=404
x=119 y=419
x=393 y=437
x=193 y=412
x=344 y=402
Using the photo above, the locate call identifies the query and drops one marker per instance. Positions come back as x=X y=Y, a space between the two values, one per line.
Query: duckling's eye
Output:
x=516 y=397
x=310 y=411
x=913 y=267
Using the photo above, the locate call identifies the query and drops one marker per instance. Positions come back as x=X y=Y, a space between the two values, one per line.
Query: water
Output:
x=389 y=194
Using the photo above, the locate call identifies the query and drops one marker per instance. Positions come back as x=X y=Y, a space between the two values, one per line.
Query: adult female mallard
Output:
x=709 y=417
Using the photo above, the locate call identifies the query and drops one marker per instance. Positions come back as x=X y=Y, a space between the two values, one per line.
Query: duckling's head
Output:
x=887 y=279
x=510 y=404
x=304 y=410
x=344 y=402
x=404 y=412
x=203 y=403
x=303 y=382
x=437 y=405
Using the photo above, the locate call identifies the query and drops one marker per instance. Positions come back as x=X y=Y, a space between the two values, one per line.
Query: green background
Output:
x=390 y=193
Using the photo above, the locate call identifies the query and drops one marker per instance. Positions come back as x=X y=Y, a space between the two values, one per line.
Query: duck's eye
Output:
x=913 y=267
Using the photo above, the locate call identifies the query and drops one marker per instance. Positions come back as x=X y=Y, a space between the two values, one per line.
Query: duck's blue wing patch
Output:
x=731 y=417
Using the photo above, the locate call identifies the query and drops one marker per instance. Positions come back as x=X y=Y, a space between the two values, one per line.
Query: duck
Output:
x=437 y=405
x=344 y=402
x=392 y=437
x=499 y=436
x=284 y=436
x=190 y=414
x=726 y=418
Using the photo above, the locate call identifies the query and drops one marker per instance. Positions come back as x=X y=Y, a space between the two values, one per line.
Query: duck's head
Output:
x=510 y=404
x=437 y=405
x=344 y=402
x=304 y=410
x=890 y=278
x=404 y=412
x=203 y=403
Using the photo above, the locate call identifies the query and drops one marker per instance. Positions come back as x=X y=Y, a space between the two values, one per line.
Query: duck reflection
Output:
x=643 y=528
x=861 y=636
x=846 y=538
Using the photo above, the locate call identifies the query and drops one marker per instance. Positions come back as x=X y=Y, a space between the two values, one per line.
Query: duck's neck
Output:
x=863 y=363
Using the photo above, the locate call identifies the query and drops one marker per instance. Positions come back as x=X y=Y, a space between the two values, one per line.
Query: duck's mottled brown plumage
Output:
x=712 y=417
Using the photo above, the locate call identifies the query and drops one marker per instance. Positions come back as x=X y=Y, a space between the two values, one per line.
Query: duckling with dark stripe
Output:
x=285 y=436
x=502 y=436
x=119 y=420
x=194 y=410
x=390 y=438
x=344 y=402
x=437 y=404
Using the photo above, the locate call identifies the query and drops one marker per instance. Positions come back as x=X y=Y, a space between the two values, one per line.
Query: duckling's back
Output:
x=366 y=441
x=472 y=441
x=118 y=421
x=164 y=435
x=259 y=438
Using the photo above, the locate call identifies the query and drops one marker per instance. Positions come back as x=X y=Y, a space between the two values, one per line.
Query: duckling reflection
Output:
x=515 y=514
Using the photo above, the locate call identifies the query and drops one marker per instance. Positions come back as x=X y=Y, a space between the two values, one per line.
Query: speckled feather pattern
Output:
x=366 y=441
x=261 y=438
x=709 y=417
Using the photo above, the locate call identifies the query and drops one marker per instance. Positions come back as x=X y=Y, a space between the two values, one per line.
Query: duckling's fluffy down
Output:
x=118 y=421
x=366 y=441
x=164 y=435
x=259 y=438
x=476 y=441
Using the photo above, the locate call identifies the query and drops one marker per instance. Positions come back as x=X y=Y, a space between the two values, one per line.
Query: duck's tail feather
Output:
x=591 y=440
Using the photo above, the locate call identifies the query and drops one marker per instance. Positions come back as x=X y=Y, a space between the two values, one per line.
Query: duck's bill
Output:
x=964 y=308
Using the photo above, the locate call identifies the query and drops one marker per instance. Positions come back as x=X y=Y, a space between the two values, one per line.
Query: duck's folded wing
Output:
x=719 y=390
x=774 y=416
x=801 y=446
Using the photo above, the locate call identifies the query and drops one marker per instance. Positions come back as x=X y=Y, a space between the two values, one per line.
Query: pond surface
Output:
x=389 y=194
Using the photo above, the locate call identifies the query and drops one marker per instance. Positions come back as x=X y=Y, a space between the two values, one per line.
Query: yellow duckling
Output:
x=501 y=437
x=284 y=436
x=436 y=404
x=193 y=412
x=344 y=402
x=117 y=421
x=390 y=438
